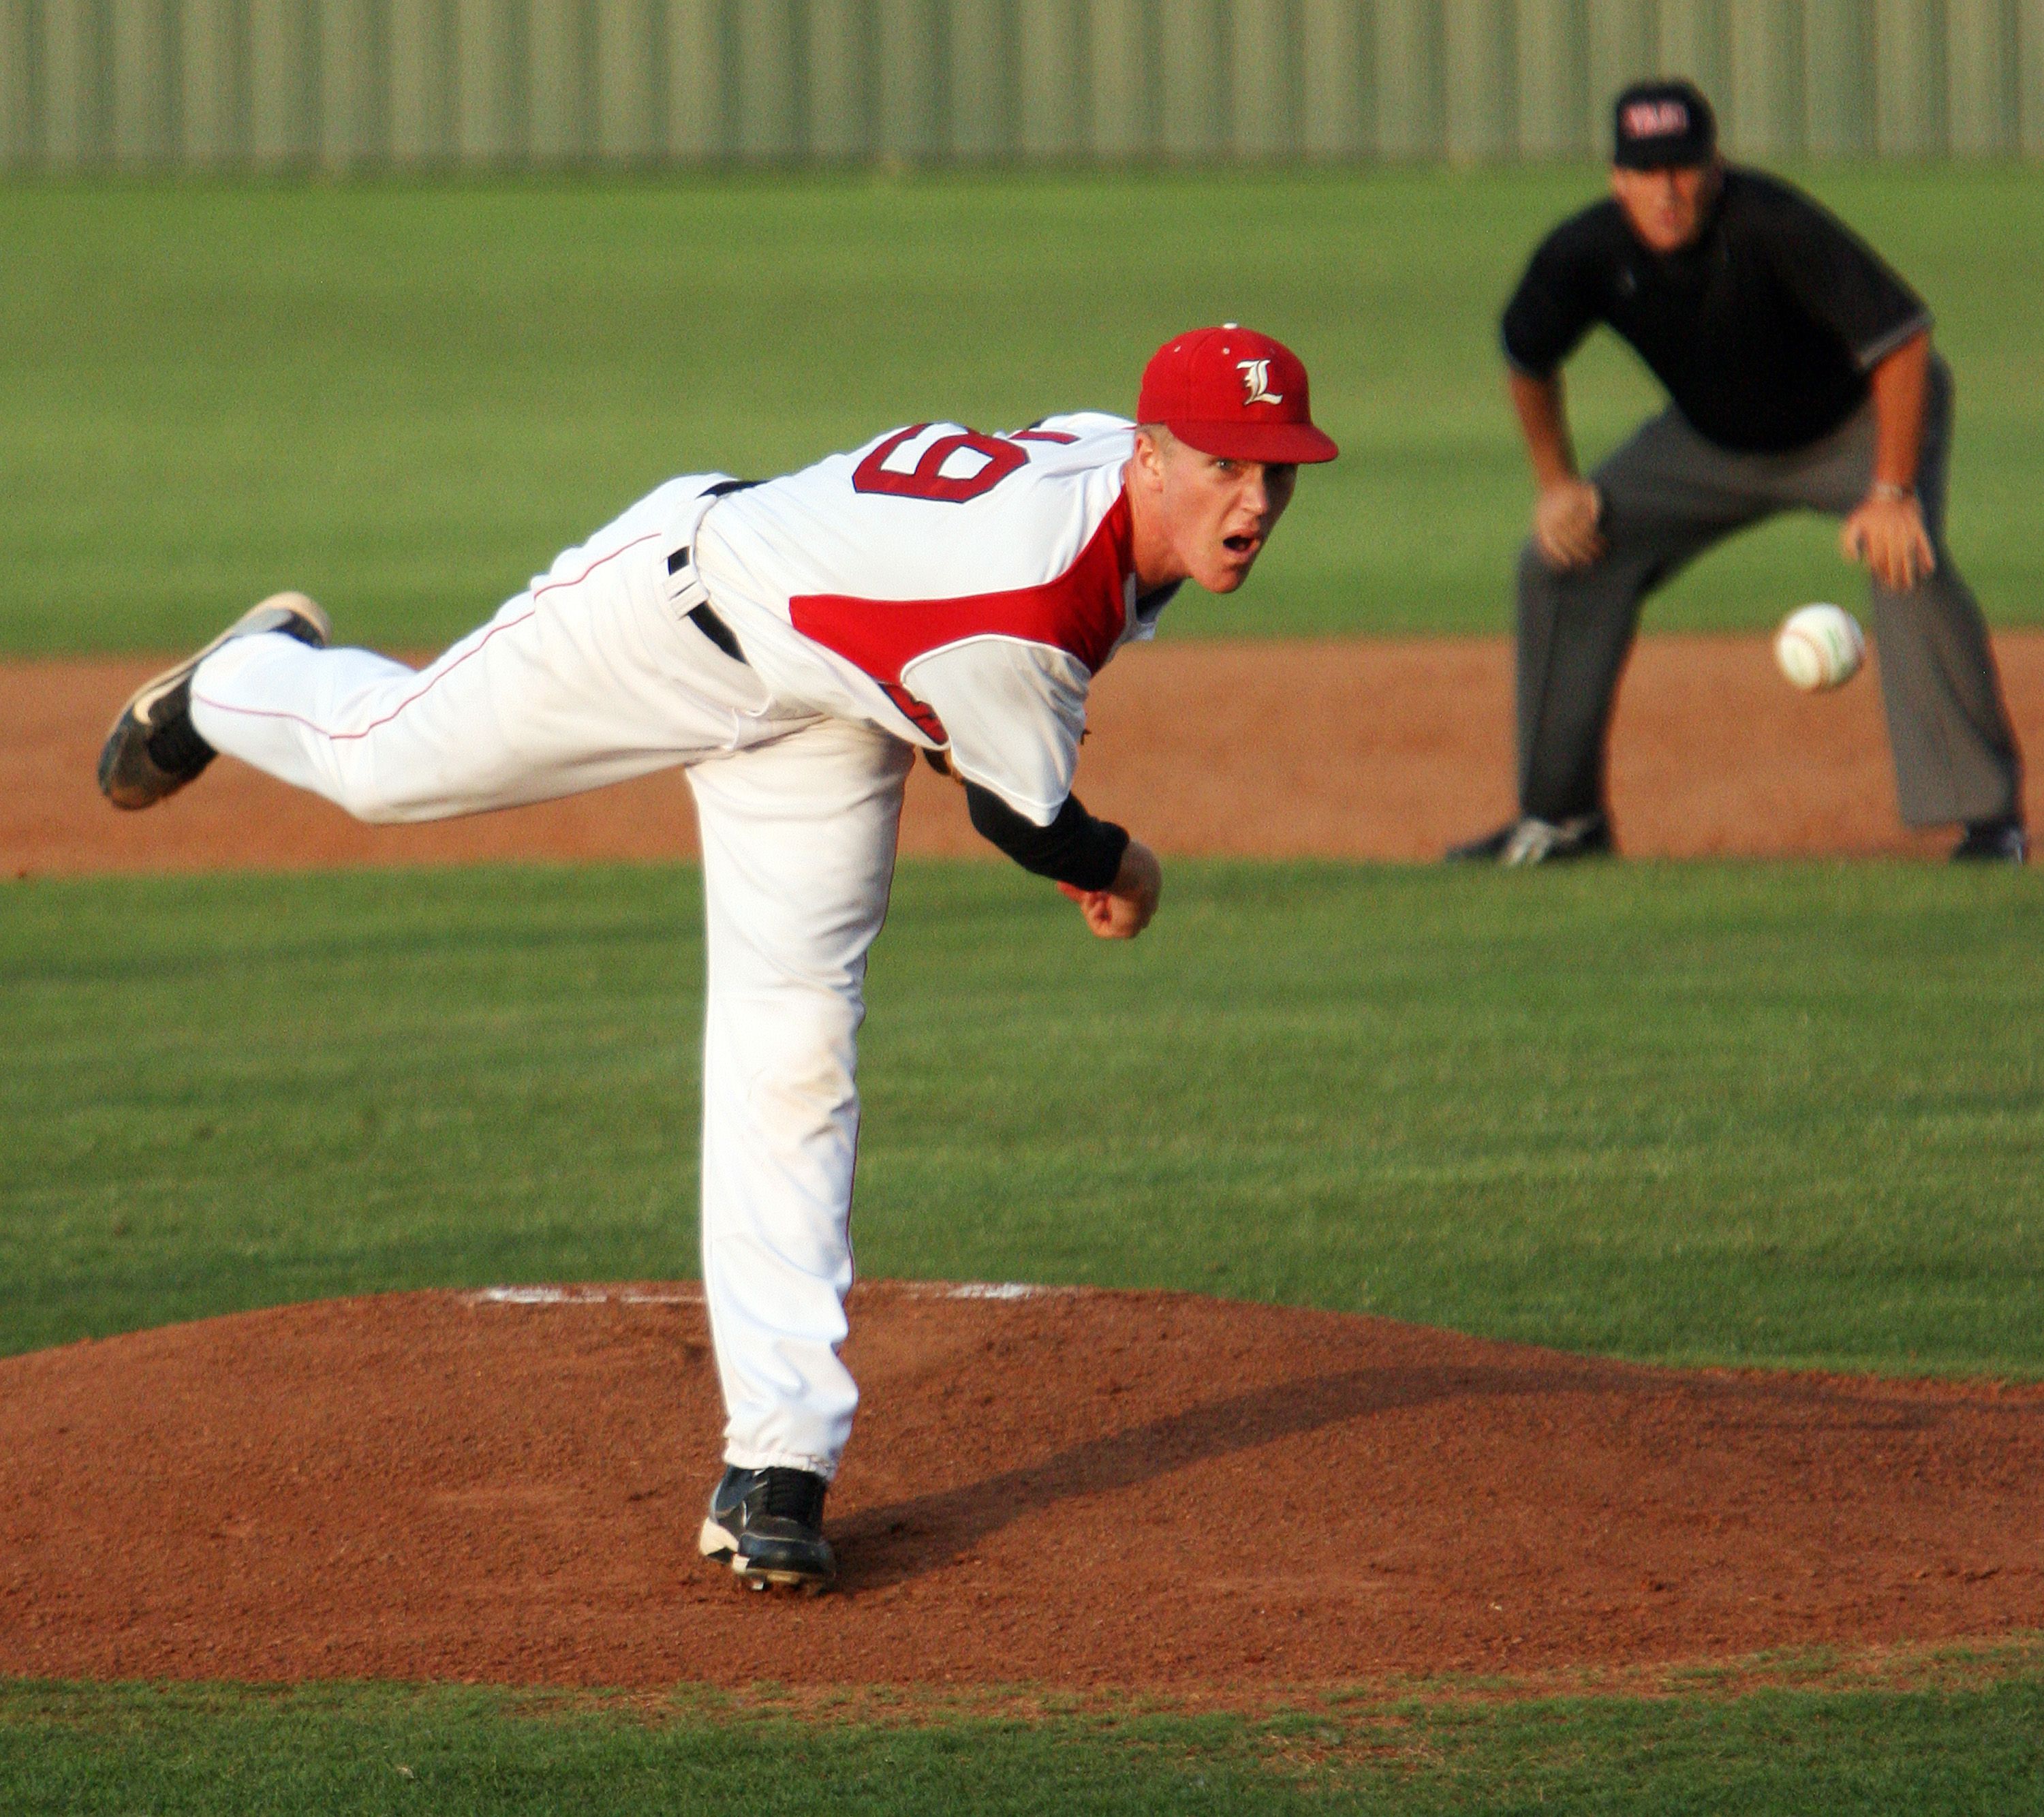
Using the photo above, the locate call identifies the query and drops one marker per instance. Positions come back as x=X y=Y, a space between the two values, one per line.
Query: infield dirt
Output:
x=1343 y=748
x=1070 y=1489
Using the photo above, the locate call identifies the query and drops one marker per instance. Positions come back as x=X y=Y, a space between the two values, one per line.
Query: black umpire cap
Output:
x=1657 y=125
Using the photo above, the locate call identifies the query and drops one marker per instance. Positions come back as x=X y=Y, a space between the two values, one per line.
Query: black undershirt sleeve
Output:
x=1075 y=848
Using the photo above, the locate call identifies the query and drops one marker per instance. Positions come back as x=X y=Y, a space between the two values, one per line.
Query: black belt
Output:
x=703 y=618
x=717 y=631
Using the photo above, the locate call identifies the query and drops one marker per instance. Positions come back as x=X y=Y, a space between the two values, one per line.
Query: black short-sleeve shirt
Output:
x=1763 y=330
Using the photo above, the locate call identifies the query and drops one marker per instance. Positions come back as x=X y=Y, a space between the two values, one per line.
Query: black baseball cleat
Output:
x=154 y=749
x=1993 y=841
x=1531 y=840
x=767 y=1525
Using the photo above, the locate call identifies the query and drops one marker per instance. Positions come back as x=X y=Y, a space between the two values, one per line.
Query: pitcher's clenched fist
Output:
x=1124 y=908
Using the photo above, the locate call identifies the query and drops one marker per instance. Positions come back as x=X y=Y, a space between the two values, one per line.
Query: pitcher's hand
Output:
x=1123 y=909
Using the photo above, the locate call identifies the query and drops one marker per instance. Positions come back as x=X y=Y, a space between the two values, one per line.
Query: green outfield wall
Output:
x=348 y=84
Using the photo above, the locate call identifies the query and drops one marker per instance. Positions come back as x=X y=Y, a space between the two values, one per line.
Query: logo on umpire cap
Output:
x=1656 y=120
x=1256 y=382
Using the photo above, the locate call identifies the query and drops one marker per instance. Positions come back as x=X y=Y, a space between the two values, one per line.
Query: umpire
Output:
x=1801 y=375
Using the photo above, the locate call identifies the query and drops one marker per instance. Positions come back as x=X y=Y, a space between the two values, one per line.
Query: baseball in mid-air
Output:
x=1819 y=647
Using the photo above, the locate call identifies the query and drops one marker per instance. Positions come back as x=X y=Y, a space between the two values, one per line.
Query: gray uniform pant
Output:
x=1669 y=495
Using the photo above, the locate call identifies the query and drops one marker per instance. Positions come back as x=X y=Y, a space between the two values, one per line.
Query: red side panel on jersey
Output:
x=1081 y=611
x=919 y=714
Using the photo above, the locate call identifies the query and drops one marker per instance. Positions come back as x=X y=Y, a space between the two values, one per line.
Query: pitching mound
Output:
x=1075 y=1488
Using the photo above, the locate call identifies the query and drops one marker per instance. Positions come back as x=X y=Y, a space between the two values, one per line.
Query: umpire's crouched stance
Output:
x=1801 y=374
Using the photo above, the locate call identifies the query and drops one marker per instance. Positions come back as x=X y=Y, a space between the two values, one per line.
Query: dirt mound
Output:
x=1344 y=748
x=1072 y=1488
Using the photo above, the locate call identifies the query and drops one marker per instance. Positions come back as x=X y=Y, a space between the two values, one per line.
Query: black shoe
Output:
x=154 y=749
x=768 y=1526
x=1530 y=840
x=1993 y=841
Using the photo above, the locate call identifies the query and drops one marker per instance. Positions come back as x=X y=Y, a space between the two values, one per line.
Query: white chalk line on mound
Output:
x=539 y=1296
x=691 y=1294
x=977 y=1289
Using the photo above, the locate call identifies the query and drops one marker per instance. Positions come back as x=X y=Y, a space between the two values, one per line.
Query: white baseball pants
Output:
x=591 y=676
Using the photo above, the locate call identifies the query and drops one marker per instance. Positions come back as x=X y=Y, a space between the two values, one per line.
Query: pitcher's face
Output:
x=1212 y=515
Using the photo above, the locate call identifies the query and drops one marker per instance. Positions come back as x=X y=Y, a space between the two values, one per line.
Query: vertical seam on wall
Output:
x=352 y=83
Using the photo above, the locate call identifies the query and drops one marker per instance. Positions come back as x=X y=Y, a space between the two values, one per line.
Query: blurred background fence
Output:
x=345 y=84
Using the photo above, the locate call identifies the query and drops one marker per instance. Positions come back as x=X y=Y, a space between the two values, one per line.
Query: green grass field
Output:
x=1740 y=1114
x=406 y=399
x=1785 y=1115
x=332 y=1749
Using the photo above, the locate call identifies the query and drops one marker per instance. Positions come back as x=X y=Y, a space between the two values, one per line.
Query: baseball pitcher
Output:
x=793 y=643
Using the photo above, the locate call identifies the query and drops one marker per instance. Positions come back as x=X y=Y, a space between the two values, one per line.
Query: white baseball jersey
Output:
x=956 y=589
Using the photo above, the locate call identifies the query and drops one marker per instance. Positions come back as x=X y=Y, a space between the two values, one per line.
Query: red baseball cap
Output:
x=1231 y=392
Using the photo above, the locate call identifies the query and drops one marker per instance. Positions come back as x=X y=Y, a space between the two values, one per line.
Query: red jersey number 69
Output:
x=927 y=479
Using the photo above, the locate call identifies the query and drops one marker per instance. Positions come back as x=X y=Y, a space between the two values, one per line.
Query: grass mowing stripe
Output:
x=407 y=397
x=1779 y=1114
x=374 y=1749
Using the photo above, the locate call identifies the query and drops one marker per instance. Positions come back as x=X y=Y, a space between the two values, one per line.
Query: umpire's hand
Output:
x=1887 y=533
x=1565 y=524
